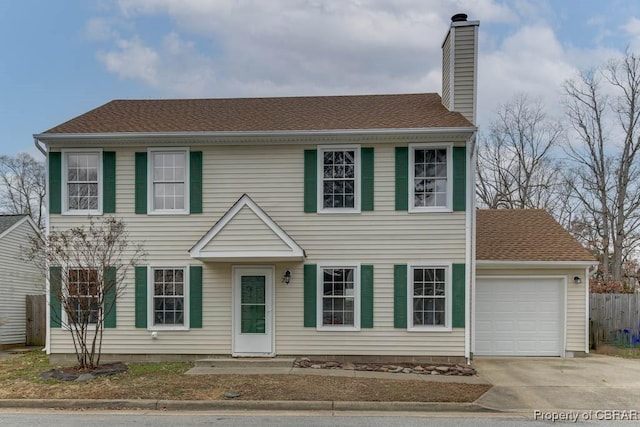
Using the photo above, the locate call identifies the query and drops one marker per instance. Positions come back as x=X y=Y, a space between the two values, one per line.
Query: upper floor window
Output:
x=169 y=176
x=83 y=182
x=430 y=186
x=339 y=179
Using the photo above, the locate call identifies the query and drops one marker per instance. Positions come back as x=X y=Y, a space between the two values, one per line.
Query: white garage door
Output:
x=519 y=317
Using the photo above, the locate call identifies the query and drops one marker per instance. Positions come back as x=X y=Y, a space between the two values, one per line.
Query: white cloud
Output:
x=312 y=47
x=132 y=59
x=99 y=29
x=632 y=28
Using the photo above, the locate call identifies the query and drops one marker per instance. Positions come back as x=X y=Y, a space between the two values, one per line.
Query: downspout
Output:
x=36 y=142
x=47 y=296
x=470 y=228
x=587 y=274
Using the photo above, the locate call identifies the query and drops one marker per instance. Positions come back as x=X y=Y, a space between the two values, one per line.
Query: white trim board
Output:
x=295 y=252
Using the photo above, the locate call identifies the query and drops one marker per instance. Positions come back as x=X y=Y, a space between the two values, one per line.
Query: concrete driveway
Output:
x=529 y=383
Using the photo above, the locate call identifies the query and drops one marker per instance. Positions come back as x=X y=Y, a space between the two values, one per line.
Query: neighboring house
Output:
x=17 y=278
x=319 y=226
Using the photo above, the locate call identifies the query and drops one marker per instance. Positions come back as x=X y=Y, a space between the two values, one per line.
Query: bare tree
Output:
x=603 y=106
x=516 y=168
x=87 y=266
x=22 y=186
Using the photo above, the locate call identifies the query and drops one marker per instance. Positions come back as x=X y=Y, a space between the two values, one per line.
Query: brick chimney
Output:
x=460 y=66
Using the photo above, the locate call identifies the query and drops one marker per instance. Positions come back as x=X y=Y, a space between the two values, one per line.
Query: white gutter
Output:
x=469 y=272
x=44 y=137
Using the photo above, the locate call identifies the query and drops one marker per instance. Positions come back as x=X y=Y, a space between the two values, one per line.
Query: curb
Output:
x=246 y=405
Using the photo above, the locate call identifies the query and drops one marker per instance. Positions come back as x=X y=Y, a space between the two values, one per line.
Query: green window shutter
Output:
x=109 y=182
x=402 y=178
x=310 y=277
x=195 y=296
x=366 y=296
x=195 y=182
x=400 y=296
x=366 y=155
x=141 y=183
x=141 y=296
x=110 y=294
x=55 y=288
x=310 y=181
x=459 y=178
x=457 y=289
x=55 y=183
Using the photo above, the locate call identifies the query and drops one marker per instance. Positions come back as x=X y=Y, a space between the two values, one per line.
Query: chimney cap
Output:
x=459 y=17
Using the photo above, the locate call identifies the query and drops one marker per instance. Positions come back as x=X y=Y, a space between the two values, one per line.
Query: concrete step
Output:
x=246 y=362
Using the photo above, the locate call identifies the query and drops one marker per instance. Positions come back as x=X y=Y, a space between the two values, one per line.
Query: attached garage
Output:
x=519 y=316
x=530 y=296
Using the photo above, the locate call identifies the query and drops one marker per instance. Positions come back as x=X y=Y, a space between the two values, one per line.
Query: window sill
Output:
x=82 y=213
x=167 y=328
x=335 y=211
x=430 y=210
x=176 y=212
x=338 y=329
x=429 y=329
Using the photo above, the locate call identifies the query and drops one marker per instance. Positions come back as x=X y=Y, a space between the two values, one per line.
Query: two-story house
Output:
x=319 y=226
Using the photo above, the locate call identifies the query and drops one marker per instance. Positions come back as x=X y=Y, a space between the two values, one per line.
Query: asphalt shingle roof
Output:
x=266 y=114
x=525 y=235
x=6 y=221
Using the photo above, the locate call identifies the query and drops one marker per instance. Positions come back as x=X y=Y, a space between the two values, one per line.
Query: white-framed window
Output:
x=339 y=179
x=82 y=182
x=338 y=297
x=431 y=180
x=83 y=296
x=168 y=298
x=429 y=297
x=168 y=181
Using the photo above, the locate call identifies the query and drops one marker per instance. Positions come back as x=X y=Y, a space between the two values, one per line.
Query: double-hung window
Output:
x=339 y=179
x=169 y=176
x=431 y=178
x=339 y=297
x=82 y=182
x=168 y=298
x=83 y=296
x=429 y=297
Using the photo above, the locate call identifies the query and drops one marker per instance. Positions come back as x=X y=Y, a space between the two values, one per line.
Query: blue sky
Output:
x=65 y=57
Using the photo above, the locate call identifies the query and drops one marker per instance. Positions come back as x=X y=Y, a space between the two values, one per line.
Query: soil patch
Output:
x=75 y=373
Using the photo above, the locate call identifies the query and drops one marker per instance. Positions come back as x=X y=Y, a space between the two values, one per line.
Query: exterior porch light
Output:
x=286 y=278
x=577 y=280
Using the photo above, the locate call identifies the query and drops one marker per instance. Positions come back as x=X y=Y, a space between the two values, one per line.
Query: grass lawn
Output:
x=19 y=378
x=626 y=352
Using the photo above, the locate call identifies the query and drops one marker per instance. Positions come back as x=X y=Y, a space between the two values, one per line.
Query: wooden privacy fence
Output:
x=614 y=319
x=36 y=319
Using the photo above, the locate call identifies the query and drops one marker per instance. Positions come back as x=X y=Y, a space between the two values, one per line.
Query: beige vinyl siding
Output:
x=464 y=72
x=17 y=279
x=446 y=72
x=273 y=177
x=575 y=299
x=246 y=231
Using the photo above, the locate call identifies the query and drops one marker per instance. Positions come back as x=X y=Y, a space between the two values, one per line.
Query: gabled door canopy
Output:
x=231 y=241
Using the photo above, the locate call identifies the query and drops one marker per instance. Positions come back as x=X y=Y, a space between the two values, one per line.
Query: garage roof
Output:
x=525 y=235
